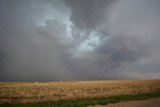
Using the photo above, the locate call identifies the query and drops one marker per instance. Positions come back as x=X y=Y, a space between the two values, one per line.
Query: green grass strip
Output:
x=87 y=101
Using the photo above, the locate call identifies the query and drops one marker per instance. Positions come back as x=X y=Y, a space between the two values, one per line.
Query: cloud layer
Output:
x=83 y=39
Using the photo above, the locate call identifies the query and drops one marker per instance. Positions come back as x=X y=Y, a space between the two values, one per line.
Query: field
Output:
x=28 y=92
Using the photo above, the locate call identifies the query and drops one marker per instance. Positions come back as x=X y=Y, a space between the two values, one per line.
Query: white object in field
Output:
x=36 y=82
x=59 y=80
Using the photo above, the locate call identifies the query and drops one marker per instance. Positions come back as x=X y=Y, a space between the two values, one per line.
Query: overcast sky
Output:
x=44 y=40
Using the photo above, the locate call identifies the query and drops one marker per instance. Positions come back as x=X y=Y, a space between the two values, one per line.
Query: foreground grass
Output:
x=27 y=92
x=88 y=101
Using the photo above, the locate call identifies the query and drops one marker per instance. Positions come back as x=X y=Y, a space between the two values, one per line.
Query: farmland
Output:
x=31 y=92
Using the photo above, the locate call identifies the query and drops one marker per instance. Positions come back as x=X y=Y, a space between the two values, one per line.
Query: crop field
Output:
x=30 y=92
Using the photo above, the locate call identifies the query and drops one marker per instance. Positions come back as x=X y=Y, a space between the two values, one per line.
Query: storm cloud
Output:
x=79 y=39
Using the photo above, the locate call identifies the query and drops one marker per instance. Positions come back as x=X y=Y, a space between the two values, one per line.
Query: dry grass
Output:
x=25 y=92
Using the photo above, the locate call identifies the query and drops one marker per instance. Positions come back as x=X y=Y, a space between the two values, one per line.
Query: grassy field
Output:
x=66 y=91
x=87 y=102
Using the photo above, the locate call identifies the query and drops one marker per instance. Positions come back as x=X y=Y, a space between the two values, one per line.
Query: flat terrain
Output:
x=154 y=102
x=27 y=92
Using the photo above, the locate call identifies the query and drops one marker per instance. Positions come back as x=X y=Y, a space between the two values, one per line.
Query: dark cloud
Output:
x=89 y=13
x=79 y=39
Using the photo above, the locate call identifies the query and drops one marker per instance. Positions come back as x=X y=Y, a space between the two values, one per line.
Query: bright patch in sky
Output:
x=89 y=44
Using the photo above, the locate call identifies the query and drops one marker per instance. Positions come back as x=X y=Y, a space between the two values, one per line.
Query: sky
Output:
x=47 y=40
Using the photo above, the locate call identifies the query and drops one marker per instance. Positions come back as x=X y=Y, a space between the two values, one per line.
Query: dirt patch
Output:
x=154 y=102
